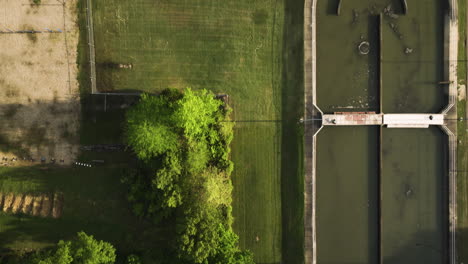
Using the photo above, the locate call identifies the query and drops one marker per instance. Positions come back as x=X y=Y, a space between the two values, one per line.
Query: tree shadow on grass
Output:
x=103 y=118
x=45 y=128
x=292 y=103
x=56 y=129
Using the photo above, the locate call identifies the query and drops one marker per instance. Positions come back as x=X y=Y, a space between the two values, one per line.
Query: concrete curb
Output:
x=310 y=130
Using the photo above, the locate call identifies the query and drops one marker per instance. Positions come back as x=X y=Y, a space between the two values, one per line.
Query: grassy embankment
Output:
x=251 y=51
x=462 y=159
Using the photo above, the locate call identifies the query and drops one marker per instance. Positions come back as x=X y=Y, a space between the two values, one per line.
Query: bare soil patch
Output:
x=46 y=206
x=8 y=202
x=27 y=205
x=39 y=95
x=461 y=92
x=17 y=204
x=37 y=205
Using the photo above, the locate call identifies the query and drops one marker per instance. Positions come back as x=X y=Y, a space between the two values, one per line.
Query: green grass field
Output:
x=250 y=50
x=462 y=158
x=461 y=70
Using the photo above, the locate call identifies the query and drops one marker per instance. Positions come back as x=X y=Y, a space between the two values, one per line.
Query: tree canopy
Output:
x=149 y=127
x=83 y=249
x=182 y=141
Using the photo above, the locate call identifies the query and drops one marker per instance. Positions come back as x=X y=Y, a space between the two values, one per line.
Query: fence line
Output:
x=92 y=53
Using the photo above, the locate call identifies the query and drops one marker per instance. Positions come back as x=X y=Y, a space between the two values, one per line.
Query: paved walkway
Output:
x=451 y=128
x=309 y=138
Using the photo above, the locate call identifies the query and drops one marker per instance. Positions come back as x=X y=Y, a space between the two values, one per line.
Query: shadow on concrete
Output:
x=462 y=245
x=373 y=37
x=332 y=7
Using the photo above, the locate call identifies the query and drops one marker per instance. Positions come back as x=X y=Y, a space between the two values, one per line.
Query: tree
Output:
x=133 y=259
x=218 y=187
x=182 y=140
x=178 y=134
x=62 y=255
x=83 y=249
x=228 y=250
x=195 y=112
x=197 y=236
x=149 y=127
x=87 y=250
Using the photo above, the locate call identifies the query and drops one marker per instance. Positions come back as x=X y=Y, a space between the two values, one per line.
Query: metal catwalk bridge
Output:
x=389 y=120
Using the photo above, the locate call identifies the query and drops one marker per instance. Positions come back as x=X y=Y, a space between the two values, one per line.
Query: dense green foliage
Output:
x=83 y=249
x=133 y=259
x=183 y=142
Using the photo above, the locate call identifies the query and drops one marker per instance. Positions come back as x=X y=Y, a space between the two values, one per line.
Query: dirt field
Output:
x=39 y=96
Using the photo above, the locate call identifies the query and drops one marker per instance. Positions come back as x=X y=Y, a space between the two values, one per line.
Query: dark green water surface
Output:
x=347 y=195
x=381 y=193
x=410 y=81
x=411 y=51
x=413 y=199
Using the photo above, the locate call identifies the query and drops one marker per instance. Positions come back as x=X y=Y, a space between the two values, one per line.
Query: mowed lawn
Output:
x=462 y=187
x=462 y=148
x=250 y=50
